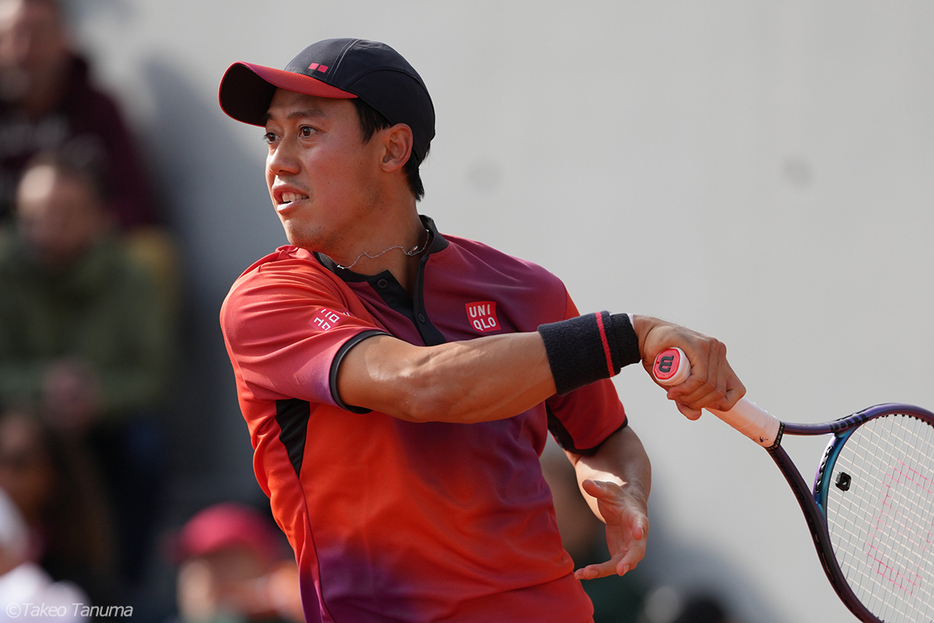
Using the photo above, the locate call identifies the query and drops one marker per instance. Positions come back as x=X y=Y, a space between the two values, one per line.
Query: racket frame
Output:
x=813 y=500
x=768 y=431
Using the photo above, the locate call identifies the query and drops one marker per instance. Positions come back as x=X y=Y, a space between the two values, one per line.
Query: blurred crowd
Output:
x=90 y=312
x=89 y=346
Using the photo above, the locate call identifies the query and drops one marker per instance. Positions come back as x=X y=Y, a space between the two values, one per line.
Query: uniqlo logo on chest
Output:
x=482 y=316
x=326 y=319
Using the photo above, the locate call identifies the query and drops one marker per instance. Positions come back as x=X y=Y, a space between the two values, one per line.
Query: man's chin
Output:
x=302 y=242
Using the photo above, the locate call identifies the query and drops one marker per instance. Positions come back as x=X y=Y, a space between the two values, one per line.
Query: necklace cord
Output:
x=419 y=248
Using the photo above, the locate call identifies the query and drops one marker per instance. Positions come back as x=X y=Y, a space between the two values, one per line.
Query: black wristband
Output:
x=626 y=346
x=589 y=348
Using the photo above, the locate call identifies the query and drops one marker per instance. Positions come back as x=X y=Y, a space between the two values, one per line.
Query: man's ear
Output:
x=398 y=143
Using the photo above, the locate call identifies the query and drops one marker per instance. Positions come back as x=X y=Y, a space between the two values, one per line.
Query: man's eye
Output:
x=270 y=137
x=306 y=131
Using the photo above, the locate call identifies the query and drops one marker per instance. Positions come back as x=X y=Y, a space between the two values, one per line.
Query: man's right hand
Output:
x=712 y=382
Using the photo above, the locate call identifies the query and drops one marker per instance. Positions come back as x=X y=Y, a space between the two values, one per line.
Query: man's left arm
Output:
x=615 y=481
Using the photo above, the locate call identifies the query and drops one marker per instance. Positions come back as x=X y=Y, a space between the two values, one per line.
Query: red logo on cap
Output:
x=321 y=68
x=482 y=315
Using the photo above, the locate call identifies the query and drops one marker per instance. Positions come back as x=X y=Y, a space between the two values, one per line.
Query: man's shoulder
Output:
x=283 y=273
x=285 y=262
x=487 y=259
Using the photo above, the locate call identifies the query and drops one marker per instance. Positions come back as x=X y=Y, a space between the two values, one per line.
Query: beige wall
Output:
x=760 y=171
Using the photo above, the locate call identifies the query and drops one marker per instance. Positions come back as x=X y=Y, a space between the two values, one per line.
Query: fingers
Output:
x=712 y=382
x=620 y=564
x=706 y=384
x=717 y=387
x=592 y=572
x=626 y=530
x=688 y=412
x=618 y=506
x=597 y=488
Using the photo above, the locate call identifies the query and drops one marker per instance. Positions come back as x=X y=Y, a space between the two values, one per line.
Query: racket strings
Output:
x=881 y=517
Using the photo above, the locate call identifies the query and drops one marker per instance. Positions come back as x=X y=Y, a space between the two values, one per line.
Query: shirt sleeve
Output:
x=582 y=419
x=286 y=328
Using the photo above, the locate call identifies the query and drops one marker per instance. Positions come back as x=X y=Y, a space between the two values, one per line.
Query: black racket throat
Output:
x=819 y=534
x=778 y=439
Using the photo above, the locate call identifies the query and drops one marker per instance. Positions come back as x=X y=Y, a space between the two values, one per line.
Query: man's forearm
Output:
x=477 y=380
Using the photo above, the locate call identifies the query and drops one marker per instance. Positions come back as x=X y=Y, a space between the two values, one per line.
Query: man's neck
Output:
x=399 y=253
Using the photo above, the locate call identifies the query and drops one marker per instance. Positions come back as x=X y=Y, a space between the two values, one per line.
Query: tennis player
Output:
x=399 y=383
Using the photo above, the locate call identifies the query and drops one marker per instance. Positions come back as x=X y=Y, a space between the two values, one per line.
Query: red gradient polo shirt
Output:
x=393 y=520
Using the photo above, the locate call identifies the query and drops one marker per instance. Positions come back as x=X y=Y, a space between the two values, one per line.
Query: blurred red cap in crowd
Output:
x=229 y=525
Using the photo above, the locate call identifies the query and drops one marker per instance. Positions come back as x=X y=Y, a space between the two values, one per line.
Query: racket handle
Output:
x=672 y=367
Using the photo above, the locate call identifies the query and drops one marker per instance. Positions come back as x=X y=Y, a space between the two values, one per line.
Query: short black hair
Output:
x=371 y=121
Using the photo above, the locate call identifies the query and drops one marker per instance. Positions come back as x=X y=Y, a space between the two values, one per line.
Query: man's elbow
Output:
x=424 y=397
x=427 y=404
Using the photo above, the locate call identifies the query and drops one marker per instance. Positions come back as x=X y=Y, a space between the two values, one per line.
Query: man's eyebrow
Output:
x=300 y=114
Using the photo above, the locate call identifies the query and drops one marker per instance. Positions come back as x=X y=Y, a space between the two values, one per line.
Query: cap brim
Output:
x=247 y=89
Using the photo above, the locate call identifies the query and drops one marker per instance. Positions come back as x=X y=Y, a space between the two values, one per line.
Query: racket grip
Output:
x=672 y=367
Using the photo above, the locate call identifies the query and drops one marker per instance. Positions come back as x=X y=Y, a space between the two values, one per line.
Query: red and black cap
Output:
x=342 y=69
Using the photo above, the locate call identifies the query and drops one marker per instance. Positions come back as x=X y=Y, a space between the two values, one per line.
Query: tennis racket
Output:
x=871 y=510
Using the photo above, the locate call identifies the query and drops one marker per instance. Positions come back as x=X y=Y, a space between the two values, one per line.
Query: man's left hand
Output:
x=627 y=525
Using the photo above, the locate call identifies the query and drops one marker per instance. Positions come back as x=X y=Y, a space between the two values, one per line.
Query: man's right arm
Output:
x=488 y=378
x=497 y=377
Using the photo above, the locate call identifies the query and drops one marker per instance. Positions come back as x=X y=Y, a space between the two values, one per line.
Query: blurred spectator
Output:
x=59 y=498
x=46 y=100
x=84 y=339
x=615 y=599
x=233 y=569
x=23 y=584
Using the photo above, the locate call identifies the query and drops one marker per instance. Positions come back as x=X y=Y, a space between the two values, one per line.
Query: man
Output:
x=47 y=99
x=399 y=384
x=83 y=337
x=85 y=341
